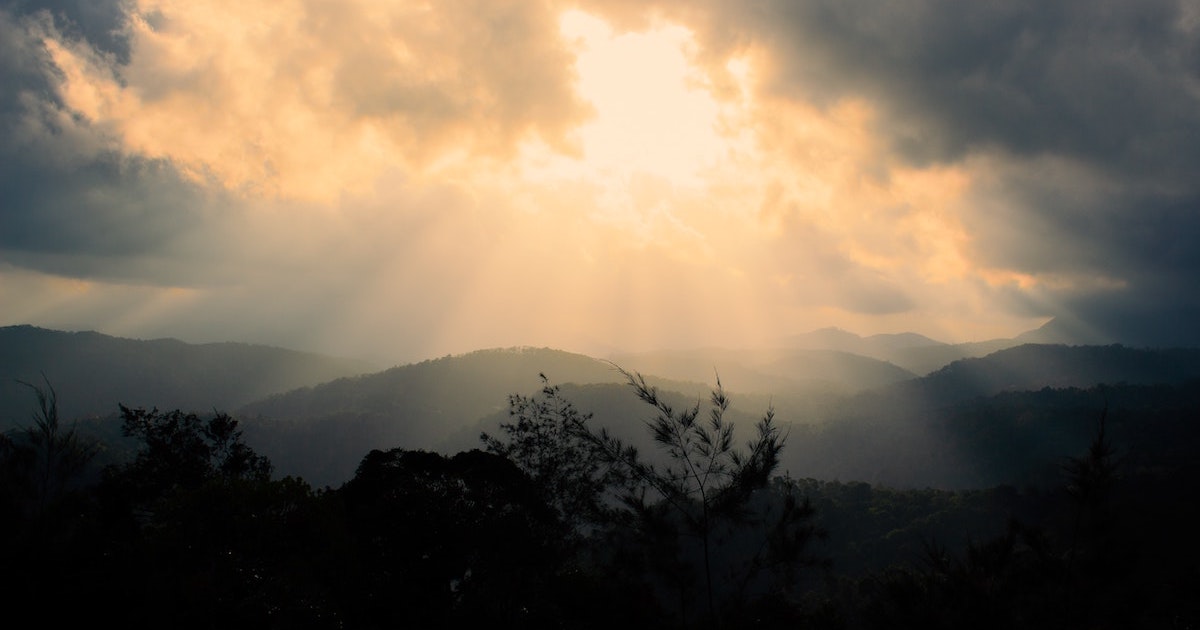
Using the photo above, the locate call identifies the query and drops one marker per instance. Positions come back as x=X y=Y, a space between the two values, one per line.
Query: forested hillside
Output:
x=93 y=372
x=562 y=522
x=887 y=496
x=974 y=423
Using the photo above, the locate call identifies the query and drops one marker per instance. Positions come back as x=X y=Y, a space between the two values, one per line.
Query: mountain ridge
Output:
x=321 y=430
x=93 y=372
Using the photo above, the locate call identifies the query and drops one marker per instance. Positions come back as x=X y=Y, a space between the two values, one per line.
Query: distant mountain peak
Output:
x=828 y=338
x=834 y=338
x=904 y=340
x=835 y=331
x=1065 y=330
x=93 y=372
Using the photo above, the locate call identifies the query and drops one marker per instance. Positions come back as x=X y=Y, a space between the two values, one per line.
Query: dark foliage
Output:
x=41 y=462
x=42 y=501
x=183 y=450
x=196 y=525
x=689 y=527
x=546 y=439
x=437 y=539
x=564 y=525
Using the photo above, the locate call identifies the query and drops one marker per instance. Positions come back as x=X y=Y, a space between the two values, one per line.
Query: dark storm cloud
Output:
x=69 y=204
x=1127 y=254
x=100 y=22
x=106 y=218
x=1043 y=223
x=1108 y=91
x=1158 y=312
x=1111 y=82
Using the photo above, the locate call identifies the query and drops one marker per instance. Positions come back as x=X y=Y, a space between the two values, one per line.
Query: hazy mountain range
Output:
x=852 y=410
x=93 y=372
x=921 y=355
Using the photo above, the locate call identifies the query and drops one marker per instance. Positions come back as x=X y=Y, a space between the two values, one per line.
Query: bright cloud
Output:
x=449 y=175
x=310 y=100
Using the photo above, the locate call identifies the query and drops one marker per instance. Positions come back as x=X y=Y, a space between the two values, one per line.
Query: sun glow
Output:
x=653 y=114
x=582 y=184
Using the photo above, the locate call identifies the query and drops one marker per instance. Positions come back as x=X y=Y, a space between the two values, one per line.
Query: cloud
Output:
x=1111 y=82
x=73 y=204
x=1074 y=124
x=437 y=170
x=101 y=23
x=311 y=101
x=159 y=128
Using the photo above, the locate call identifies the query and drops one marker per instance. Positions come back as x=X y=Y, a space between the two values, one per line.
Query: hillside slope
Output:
x=771 y=371
x=93 y=372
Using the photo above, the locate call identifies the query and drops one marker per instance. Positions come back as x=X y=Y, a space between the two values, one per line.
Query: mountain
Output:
x=769 y=371
x=925 y=359
x=921 y=355
x=1019 y=438
x=92 y=372
x=1036 y=366
x=913 y=352
x=323 y=431
x=450 y=387
x=1067 y=331
x=1010 y=417
x=616 y=407
x=1062 y=330
x=845 y=341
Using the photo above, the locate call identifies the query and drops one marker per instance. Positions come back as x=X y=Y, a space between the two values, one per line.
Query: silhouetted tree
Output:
x=1026 y=577
x=1091 y=480
x=1102 y=550
x=44 y=506
x=1011 y=581
x=200 y=534
x=182 y=449
x=545 y=440
x=703 y=493
x=463 y=539
x=39 y=461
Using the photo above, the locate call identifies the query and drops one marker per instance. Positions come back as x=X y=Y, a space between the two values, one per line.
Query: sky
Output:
x=404 y=180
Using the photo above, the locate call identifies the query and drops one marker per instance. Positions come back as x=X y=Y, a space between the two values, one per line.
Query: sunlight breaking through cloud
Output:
x=476 y=172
